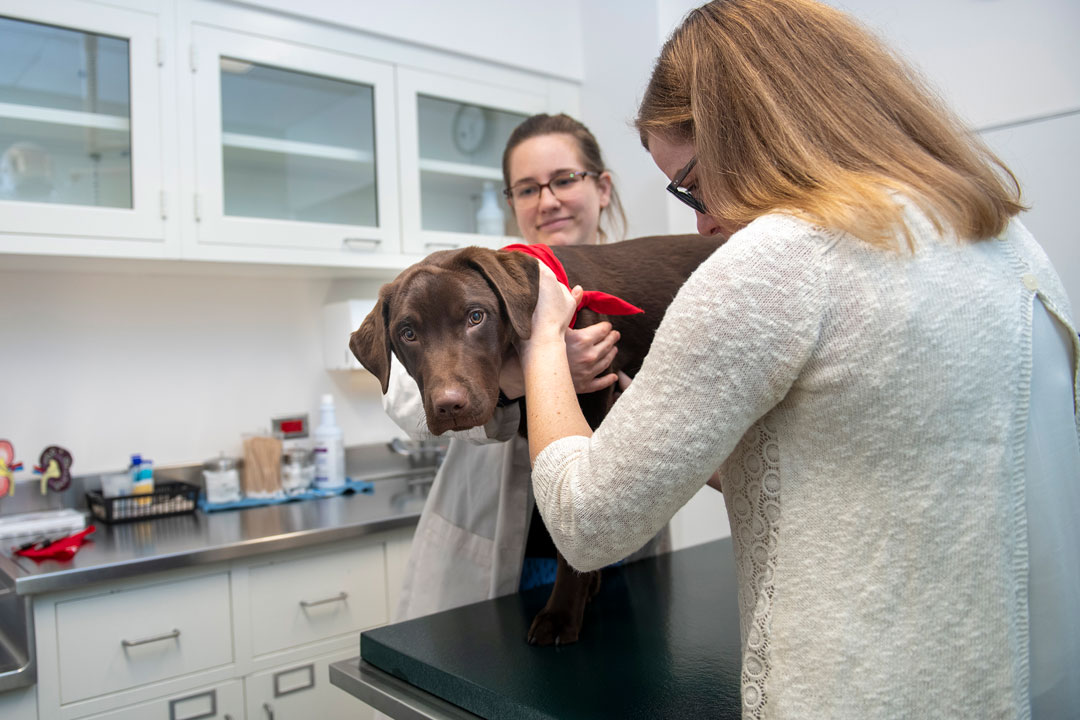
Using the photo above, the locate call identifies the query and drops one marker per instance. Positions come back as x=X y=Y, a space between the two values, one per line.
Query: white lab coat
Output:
x=470 y=540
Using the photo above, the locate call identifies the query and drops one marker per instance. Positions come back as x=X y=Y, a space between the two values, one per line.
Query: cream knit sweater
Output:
x=867 y=410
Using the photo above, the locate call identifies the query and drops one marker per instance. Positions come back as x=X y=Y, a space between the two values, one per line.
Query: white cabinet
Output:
x=302 y=691
x=83 y=141
x=219 y=131
x=116 y=640
x=307 y=599
x=249 y=638
x=453 y=132
x=295 y=146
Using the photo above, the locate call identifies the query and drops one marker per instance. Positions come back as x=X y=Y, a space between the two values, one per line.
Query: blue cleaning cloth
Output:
x=359 y=486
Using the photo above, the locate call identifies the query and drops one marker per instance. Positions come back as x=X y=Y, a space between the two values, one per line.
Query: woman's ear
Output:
x=603 y=185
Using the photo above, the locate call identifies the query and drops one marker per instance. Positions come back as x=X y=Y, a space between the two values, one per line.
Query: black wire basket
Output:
x=168 y=498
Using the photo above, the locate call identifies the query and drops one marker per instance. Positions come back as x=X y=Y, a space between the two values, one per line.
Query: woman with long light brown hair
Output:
x=881 y=362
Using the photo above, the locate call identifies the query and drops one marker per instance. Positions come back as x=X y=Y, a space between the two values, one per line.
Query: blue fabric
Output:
x=536 y=571
x=360 y=486
x=541 y=571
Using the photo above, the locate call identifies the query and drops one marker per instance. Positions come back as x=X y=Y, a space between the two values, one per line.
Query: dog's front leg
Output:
x=559 y=623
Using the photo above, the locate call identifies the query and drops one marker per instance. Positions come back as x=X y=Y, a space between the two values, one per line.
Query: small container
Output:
x=221 y=476
x=117 y=484
x=489 y=218
x=142 y=477
x=297 y=469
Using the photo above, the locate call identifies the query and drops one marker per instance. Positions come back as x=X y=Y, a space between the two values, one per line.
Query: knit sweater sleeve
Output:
x=729 y=348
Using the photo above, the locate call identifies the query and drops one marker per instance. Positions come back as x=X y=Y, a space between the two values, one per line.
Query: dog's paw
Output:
x=554 y=627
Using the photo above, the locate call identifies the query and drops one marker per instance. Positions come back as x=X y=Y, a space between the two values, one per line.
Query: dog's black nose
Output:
x=451 y=402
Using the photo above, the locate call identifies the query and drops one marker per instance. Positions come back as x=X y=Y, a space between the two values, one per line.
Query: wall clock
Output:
x=470 y=127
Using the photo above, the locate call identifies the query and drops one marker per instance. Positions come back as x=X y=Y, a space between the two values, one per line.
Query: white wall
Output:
x=618 y=59
x=175 y=367
x=1011 y=69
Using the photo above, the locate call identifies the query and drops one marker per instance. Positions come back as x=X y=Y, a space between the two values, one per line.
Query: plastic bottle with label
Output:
x=142 y=477
x=329 y=448
x=490 y=219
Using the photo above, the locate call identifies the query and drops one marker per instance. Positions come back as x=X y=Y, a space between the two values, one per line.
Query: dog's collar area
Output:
x=596 y=300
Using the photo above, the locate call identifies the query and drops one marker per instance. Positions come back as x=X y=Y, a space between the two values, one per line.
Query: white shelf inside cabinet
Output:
x=442 y=167
x=55 y=116
x=295 y=147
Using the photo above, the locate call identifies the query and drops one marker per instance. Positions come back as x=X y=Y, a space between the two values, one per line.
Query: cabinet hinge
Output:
x=198 y=208
x=160 y=52
x=164 y=205
x=193 y=56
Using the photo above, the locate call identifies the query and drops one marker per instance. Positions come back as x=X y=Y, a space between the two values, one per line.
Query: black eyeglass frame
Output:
x=675 y=188
x=509 y=192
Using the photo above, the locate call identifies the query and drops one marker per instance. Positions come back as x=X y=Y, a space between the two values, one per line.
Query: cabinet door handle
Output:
x=156 y=638
x=340 y=597
x=441 y=245
x=355 y=243
x=269 y=711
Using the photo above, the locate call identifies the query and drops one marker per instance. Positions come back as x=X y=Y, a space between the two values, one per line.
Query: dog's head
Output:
x=451 y=319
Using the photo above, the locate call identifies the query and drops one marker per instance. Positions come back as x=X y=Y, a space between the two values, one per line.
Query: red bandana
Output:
x=601 y=302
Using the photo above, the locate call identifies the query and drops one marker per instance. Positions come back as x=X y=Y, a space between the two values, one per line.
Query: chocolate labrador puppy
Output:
x=453 y=318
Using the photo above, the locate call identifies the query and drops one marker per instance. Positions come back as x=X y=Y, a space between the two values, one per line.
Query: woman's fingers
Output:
x=555 y=305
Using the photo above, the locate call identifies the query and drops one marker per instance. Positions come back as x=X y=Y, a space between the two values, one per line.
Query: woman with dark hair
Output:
x=881 y=362
x=479 y=535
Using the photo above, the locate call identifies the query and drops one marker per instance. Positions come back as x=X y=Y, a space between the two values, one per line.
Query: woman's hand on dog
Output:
x=555 y=308
x=589 y=350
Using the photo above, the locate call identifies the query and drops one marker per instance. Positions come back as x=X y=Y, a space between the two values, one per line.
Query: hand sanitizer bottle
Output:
x=489 y=218
x=329 y=448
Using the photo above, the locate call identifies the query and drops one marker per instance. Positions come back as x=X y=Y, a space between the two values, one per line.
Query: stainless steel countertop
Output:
x=130 y=549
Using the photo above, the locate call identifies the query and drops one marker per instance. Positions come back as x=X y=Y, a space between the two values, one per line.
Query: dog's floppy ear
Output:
x=515 y=277
x=370 y=343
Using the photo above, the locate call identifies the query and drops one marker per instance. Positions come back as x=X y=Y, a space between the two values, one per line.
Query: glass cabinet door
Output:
x=452 y=135
x=79 y=121
x=287 y=149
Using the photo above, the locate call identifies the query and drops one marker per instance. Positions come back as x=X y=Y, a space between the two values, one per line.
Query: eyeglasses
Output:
x=675 y=188
x=526 y=194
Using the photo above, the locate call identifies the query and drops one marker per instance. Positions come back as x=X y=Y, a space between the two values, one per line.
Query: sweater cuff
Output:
x=552 y=464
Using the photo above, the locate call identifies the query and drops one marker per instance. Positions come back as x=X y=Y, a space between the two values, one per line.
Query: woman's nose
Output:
x=707 y=226
x=547 y=198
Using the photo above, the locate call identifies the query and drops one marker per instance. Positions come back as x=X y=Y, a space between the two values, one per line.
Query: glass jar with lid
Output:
x=221 y=476
x=297 y=469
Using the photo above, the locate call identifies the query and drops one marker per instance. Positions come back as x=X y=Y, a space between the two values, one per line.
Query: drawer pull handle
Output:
x=156 y=638
x=269 y=711
x=181 y=708
x=355 y=243
x=340 y=597
x=441 y=245
x=285 y=681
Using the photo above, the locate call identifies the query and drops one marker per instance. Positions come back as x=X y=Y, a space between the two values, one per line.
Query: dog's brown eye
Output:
x=408 y=335
x=476 y=317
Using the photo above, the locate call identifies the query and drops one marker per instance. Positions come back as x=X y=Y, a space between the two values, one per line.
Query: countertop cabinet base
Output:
x=251 y=638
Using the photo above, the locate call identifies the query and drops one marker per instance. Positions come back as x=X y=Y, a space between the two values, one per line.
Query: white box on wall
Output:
x=340 y=319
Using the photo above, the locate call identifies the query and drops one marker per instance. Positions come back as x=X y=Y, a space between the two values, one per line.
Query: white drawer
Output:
x=122 y=639
x=303 y=690
x=221 y=702
x=313 y=598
